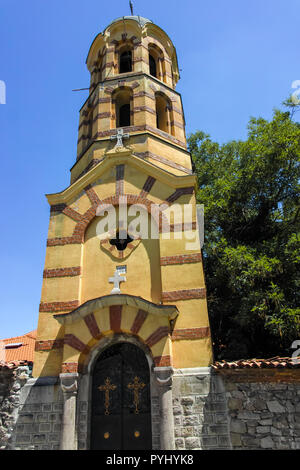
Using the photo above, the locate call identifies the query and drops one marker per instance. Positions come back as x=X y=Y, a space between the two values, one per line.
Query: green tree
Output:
x=250 y=192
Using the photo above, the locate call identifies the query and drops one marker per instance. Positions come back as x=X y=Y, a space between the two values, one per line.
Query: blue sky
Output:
x=238 y=58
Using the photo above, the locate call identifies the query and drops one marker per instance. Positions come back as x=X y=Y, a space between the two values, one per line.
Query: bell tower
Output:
x=140 y=280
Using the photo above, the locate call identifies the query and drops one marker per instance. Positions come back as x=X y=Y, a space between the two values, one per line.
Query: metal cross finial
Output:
x=116 y=280
x=119 y=136
x=131 y=7
x=107 y=388
x=136 y=387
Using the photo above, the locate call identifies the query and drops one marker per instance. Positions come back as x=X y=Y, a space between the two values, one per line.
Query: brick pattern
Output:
x=58 y=306
x=74 y=342
x=69 y=367
x=57 y=208
x=120 y=180
x=147 y=186
x=179 y=192
x=62 y=272
x=115 y=315
x=92 y=325
x=49 y=344
x=162 y=361
x=184 y=294
x=191 y=333
x=163 y=160
x=157 y=335
x=138 y=321
x=180 y=259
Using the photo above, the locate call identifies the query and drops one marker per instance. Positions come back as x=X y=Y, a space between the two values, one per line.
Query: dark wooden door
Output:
x=121 y=410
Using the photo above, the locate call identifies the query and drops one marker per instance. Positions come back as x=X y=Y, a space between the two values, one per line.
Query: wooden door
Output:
x=121 y=409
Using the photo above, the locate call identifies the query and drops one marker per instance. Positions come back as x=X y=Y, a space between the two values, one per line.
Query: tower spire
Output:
x=131 y=7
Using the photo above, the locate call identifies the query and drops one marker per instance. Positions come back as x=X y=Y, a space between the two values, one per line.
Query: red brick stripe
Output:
x=48 y=345
x=91 y=323
x=57 y=207
x=138 y=321
x=72 y=214
x=147 y=186
x=69 y=367
x=184 y=294
x=58 y=306
x=115 y=314
x=58 y=241
x=74 y=342
x=95 y=201
x=62 y=272
x=179 y=192
x=180 y=259
x=162 y=361
x=120 y=180
x=157 y=335
x=191 y=333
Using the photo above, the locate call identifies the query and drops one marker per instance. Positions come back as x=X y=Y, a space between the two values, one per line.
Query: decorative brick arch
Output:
x=116 y=304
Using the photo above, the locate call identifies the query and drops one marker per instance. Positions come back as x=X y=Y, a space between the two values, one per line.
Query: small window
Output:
x=125 y=62
x=121 y=241
x=124 y=115
x=152 y=66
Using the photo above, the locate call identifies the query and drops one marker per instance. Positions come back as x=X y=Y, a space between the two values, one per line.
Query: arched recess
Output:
x=157 y=66
x=125 y=58
x=141 y=256
x=122 y=113
x=164 y=113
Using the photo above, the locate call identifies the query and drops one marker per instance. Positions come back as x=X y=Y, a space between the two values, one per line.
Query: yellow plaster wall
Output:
x=192 y=353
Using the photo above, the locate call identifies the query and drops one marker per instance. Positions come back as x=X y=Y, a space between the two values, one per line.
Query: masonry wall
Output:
x=212 y=410
x=239 y=410
x=30 y=411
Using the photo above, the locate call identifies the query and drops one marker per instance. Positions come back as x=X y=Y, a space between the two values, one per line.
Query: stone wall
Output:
x=200 y=411
x=212 y=410
x=263 y=414
x=30 y=411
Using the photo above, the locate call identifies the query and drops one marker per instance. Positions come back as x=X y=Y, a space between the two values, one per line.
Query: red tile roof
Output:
x=21 y=349
x=272 y=363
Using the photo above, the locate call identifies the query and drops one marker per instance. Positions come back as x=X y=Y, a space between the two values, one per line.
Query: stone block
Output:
x=39 y=438
x=179 y=444
x=275 y=407
x=192 y=443
x=209 y=441
x=267 y=443
x=221 y=418
x=191 y=420
x=235 y=404
x=47 y=408
x=45 y=427
x=42 y=418
x=237 y=426
x=23 y=438
x=263 y=429
x=187 y=401
x=54 y=437
x=236 y=440
x=224 y=441
x=26 y=418
x=275 y=431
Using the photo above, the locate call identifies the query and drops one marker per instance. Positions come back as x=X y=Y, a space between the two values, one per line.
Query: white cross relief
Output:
x=117 y=279
x=119 y=136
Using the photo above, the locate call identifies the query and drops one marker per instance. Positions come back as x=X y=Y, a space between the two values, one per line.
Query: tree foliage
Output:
x=250 y=192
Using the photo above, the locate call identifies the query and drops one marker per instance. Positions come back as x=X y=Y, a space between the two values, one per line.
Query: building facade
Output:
x=123 y=304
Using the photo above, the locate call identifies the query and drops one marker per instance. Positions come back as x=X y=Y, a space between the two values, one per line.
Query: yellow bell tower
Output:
x=104 y=282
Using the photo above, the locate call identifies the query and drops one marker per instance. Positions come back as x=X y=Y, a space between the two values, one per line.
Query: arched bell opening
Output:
x=164 y=113
x=122 y=102
x=125 y=60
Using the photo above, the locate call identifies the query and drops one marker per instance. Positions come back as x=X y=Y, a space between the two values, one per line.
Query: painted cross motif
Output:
x=119 y=136
x=136 y=386
x=107 y=388
x=116 y=280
